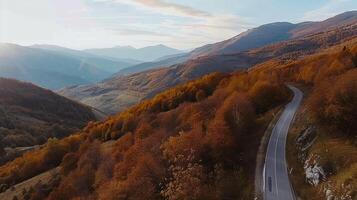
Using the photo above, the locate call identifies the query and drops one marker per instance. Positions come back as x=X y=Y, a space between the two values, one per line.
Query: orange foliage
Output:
x=334 y=102
x=169 y=143
x=36 y=162
x=265 y=95
x=79 y=182
x=195 y=141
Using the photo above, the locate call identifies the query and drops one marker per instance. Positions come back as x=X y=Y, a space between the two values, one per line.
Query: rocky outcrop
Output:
x=304 y=142
x=314 y=173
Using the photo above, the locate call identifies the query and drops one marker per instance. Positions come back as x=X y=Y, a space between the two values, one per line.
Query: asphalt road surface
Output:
x=276 y=179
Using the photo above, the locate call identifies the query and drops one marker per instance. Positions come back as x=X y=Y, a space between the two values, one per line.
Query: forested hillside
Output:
x=178 y=100
x=195 y=136
x=29 y=115
x=198 y=140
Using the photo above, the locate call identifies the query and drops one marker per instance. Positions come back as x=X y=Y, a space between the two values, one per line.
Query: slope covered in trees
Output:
x=29 y=115
x=332 y=76
x=323 y=139
x=197 y=140
x=196 y=136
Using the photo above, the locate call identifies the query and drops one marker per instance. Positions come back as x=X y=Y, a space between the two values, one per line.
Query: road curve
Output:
x=276 y=179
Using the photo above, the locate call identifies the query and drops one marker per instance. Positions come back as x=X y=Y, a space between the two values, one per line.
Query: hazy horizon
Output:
x=114 y=46
x=83 y=24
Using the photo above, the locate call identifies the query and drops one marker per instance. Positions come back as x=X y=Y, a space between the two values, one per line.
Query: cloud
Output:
x=162 y=6
x=199 y=32
x=136 y=32
x=185 y=10
x=177 y=25
x=103 y=23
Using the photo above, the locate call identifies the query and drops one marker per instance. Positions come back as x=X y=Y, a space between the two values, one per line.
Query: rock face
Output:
x=314 y=173
x=304 y=142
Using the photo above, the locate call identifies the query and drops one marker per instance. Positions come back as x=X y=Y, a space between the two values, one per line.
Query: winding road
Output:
x=276 y=182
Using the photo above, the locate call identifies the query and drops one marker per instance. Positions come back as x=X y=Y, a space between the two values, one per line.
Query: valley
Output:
x=121 y=91
x=268 y=114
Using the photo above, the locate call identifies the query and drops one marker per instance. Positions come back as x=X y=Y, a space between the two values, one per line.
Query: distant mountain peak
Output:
x=278 y=24
x=149 y=53
x=161 y=45
x=5 y=44
x=124 y=47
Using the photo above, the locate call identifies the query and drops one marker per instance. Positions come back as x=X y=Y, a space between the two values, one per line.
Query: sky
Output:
x=182 y=24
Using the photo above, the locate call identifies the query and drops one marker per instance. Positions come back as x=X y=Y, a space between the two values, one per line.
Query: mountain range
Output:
x=54 y=67
x=278 y=40
x=149 y=53
x=272 y=33
x=253 y=38
x=196 y=125
x=204 y=137
x=108 y=64
x=46 y=68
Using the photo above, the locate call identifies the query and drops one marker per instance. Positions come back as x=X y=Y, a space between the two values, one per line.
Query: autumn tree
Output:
x=334 y=102
x=187 y=179
x=266 y=95
x=79 y=182
x=200 y=95
x=2 y=150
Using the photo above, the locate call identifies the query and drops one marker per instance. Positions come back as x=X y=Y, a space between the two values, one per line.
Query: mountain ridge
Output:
x=29 y=115
x=46 y=68
x=149 y=53
x=108 y=64
x=253 y=38
x=121 y=91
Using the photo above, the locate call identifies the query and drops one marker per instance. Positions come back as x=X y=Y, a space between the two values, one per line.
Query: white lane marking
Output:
x=264 y=175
